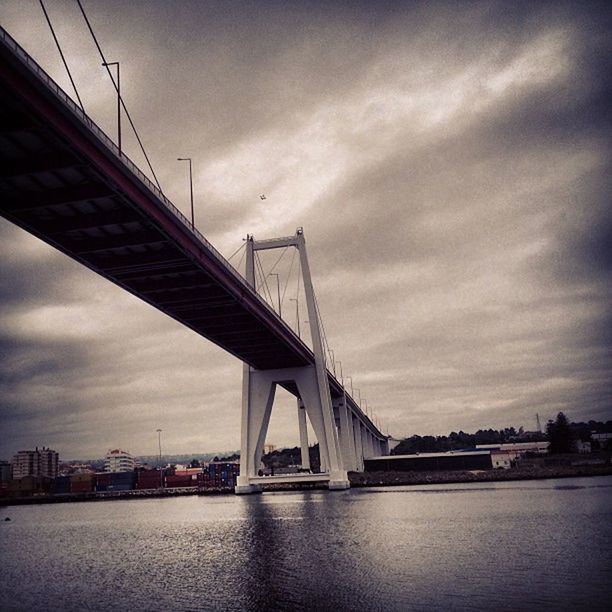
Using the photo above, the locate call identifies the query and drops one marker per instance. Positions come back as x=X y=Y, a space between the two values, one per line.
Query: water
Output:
x=538 y=545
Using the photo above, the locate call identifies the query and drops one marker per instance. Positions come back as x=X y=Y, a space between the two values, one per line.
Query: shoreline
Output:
x=377 y=479
x=357 y=480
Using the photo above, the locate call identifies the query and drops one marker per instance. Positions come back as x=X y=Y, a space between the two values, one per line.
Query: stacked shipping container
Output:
x=82 y=483
x=220 y=475
x=149 y=479
x=115 y=481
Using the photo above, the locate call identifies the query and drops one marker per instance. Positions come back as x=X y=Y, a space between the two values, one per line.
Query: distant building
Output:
x=118 y=460
x=37 y=462
x=602 y=441
x=584 y=448
x=503 y=459
x=6 y=471
x=505 y=456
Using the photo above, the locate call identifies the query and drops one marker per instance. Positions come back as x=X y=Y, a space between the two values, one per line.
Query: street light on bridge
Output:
x=333 y=359
x=190 y=187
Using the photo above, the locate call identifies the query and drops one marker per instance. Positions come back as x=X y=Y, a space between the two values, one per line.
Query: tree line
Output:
x=560 y=433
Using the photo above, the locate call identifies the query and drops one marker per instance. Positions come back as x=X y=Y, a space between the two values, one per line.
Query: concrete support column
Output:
x=367 y=453
x=345 y=433
x=303 y=435
x=358 y=444
x=329 y=447
x=247 y=467
x=258 y=388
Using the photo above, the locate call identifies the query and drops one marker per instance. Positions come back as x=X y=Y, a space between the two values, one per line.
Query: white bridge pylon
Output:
x=314 y=399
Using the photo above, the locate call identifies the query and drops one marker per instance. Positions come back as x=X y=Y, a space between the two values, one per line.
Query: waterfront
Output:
x=517 y=545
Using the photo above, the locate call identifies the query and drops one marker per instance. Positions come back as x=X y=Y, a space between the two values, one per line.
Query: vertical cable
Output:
x=59 y=48
x=118 y=94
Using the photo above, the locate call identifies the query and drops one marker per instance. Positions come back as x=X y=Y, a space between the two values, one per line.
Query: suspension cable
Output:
x=288 y=276
x=277 y=261
x=59 y=48
x=240 y=261
x=119 y=95
x=236 y=251
x=263 y=276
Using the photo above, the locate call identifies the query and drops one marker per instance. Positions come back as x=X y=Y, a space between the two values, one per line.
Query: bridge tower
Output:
x=310 y=384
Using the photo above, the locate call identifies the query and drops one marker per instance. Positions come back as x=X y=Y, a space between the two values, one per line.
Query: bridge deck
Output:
x=63 y=180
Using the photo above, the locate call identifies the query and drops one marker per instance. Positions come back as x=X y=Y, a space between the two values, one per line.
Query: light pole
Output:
x=341 y=376
x=278 y=291
x=118 y=85
x=297 y=314
x=190 y=187
x=161 y=477
x=343 y=387
x=333 y=358
x=351 y=379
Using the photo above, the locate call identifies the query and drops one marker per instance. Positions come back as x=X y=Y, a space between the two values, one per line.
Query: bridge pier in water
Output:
x=309 y=383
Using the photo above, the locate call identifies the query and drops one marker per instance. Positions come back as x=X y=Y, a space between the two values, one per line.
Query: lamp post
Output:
x=118 y=86
x=351 y=379
x=341 y=376
x=297 y=314
x=278 y=291
x=161 y=477
x=190 y=187
x=333 y=358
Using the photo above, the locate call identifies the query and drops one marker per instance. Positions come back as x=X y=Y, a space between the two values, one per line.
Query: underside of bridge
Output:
x=64 y=181
x=110 y=220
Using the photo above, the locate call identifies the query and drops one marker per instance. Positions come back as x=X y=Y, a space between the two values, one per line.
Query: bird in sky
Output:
x=262 y=196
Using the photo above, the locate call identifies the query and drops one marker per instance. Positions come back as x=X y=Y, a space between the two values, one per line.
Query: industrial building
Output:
x=430 y=462
x=505 y=456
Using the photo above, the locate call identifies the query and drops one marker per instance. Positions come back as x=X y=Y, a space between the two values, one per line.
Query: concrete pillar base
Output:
x=247 y=489
x=244 y=487
x=338 y=481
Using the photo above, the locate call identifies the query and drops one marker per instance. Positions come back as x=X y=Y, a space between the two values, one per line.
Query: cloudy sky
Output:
x=450 y=165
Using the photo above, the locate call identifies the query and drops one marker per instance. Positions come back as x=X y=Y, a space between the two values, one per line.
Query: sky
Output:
x=450 y=166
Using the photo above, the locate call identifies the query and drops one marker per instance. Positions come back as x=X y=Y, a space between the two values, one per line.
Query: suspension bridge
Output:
x=63 y=180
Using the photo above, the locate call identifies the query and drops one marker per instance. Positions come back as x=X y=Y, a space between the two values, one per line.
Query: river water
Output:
x=531 y=545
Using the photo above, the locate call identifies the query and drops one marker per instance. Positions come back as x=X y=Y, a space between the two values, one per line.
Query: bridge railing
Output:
x=76 y=110
x=121 y=157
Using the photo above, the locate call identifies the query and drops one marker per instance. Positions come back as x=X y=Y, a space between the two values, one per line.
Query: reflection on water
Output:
x=510 y=546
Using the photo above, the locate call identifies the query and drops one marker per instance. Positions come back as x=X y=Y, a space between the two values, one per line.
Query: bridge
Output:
x=63 y=180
